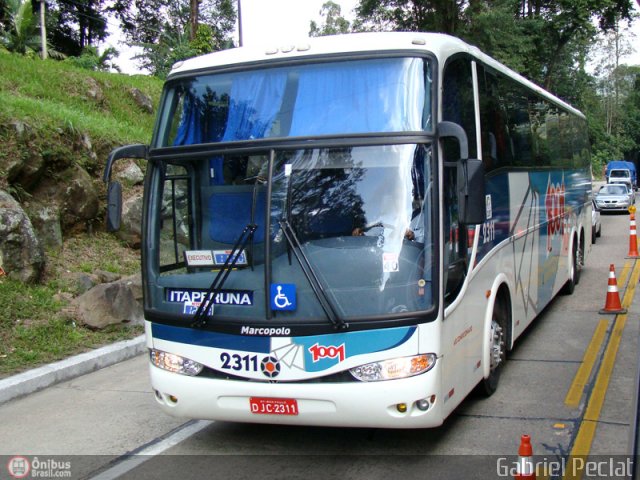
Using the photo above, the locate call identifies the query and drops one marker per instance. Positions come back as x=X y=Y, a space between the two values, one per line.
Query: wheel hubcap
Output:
x=497 y=344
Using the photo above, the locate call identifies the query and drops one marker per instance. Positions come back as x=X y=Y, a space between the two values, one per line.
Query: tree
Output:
x=92 y=60
x=203 y=41
x=614 y=46
x=77 y=24
x=409 y=15
x=334 y=22
x=194 y=13
x=159 y=57
x=22 y=34
x=540 y=38
x=4 y=20
x=147 y=22
x=497 y=30
x=163 y=29
x=631 y=118
x=615 y=107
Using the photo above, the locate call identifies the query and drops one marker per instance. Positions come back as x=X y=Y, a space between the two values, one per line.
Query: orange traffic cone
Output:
x=613 y=304
x=633 y=238
x=525 y=468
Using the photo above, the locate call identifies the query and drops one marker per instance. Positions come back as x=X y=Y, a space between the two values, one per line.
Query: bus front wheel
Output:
x=497 y=347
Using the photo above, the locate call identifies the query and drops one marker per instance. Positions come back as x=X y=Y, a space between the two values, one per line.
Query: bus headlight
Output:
x=394 y=368
x=174 y=363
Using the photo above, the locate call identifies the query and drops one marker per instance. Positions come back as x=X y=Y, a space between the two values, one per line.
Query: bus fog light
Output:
x=174 y=363
x=423 y=404
x=395 y=368
x=401 y=407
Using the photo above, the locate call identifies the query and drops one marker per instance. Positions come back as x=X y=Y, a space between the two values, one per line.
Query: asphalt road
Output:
x=569 y=384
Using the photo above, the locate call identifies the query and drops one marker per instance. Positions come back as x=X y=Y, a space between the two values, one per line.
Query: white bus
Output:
x=351 y=231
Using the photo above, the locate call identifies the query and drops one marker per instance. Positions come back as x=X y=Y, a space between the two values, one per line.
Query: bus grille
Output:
x=340 y=377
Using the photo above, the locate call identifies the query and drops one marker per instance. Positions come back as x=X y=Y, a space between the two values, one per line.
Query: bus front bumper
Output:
x=403 y=403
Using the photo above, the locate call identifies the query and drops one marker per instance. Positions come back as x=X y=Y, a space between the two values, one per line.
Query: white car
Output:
x=596 y=225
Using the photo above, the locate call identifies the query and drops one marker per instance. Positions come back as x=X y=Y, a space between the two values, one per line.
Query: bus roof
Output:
x=440 y=45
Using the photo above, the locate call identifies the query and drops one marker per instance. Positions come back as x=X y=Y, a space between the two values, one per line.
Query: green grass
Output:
x=33 y=341
x=52 y=99
x=19 y=302
x=56 y=95
x=36 y=324
x=88 y=253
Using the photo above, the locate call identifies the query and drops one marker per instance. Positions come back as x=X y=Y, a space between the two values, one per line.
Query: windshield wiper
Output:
x=201 y=317
x=307 y=269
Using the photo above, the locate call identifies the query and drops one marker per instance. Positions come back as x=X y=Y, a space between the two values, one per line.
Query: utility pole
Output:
x=240 y=23
x=193 y=19
x=43 y=31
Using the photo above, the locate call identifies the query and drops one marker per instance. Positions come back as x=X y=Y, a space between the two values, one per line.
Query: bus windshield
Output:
x=344 y=232
x=362 y=96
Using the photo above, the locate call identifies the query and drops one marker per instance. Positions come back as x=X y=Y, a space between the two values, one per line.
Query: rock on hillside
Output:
x=21 y=254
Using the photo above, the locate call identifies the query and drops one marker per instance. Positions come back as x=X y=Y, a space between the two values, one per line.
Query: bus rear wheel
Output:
x=497 y=347
x=574 y=271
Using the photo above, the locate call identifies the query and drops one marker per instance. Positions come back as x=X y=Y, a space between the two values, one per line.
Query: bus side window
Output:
x=458 y=107
x=175 y=218
x=455 y=246
x=457 y=102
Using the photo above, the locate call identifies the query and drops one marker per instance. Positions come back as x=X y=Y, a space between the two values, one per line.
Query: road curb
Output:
x=47 y=375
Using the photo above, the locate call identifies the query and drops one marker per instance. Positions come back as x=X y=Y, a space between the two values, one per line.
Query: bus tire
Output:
x=574 y=271
x=498 y=333
x=580 y=257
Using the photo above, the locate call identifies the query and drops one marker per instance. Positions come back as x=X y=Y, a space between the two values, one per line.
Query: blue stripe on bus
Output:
x=351 y=344
x=211 y=339
x=354 y=343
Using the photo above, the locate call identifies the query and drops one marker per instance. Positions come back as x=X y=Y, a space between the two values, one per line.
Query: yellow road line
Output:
x=623 y=274
x=584 y=439
x=591 y=354
x=588 y=361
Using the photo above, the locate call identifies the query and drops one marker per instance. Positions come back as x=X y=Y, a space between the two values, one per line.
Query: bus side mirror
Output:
x=470 y=182
x=114 y=189
x=114 y=206
x=128 y=151
x=453 y=130
x=471 y=192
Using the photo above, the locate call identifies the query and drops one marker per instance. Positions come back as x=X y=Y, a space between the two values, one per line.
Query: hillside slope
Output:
x=58 y=122
x=60 y=102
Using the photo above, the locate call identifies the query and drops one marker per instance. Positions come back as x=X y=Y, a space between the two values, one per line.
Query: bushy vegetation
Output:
x=57 y=102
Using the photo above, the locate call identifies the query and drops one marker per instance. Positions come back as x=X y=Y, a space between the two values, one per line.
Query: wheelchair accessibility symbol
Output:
x=283 y=296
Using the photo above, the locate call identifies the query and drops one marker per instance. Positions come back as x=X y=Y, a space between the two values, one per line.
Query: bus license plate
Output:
x=273 y=406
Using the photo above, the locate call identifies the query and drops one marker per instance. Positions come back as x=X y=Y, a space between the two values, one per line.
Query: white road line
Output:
x=140 y=457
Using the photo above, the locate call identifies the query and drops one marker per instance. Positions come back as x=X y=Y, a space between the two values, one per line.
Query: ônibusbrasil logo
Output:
x=20 y=467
